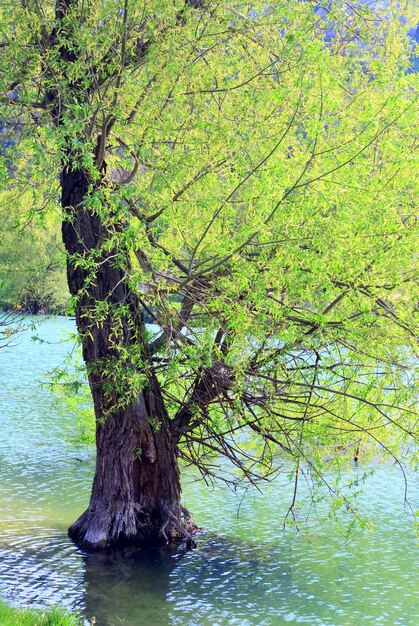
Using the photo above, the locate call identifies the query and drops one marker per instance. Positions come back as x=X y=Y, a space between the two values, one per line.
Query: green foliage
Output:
x=32 y=262
x=11 y=616
x=257 y=188
x=70 y=388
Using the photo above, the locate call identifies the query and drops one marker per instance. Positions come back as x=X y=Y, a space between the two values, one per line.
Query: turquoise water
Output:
x=246 y=570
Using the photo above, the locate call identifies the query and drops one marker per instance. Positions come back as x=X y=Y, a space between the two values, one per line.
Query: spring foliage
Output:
x=260 y=173
x=32 y=260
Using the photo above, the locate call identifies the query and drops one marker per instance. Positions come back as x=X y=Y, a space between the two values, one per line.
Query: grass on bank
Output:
x=56 y=616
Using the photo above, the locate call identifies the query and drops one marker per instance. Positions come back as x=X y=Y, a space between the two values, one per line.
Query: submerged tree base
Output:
x=98 y=529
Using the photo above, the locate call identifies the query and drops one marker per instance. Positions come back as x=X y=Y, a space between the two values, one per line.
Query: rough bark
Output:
x=136 y=489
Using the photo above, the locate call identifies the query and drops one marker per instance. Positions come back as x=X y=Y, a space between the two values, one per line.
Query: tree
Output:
x=246 y=181
x=32 y=261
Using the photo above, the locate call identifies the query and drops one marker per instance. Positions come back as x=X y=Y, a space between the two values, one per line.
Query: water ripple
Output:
x=246 y=570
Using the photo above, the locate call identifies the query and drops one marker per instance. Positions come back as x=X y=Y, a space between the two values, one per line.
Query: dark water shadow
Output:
x=175 y=586
x=130 y=587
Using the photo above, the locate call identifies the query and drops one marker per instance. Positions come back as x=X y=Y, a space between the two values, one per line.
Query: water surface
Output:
x=246 y=571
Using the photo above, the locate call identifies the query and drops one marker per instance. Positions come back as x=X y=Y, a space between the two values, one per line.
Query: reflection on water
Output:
x=245 y=571
x=130 y=588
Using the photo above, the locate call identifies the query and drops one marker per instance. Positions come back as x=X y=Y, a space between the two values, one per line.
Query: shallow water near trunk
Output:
x=246 y=570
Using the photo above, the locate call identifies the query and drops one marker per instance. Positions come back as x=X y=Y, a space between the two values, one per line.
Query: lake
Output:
x=246 y=571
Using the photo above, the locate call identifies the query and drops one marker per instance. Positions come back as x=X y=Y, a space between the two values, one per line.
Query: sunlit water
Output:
x=246 y=570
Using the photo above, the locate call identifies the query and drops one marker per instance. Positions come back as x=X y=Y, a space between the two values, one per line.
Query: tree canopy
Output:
x=32 y=260
x=245 y=175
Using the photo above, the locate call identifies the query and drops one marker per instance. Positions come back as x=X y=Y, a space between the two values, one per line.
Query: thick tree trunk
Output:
x=136 y=489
